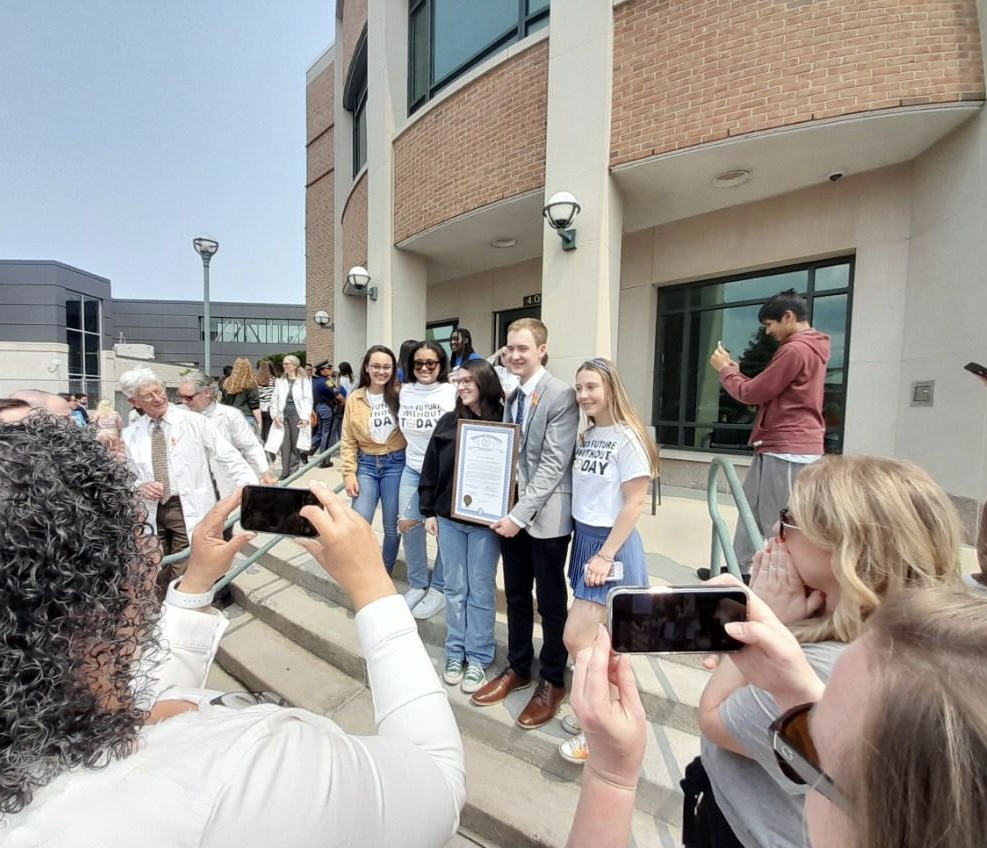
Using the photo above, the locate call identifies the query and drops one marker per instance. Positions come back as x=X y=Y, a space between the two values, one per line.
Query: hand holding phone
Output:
x=977 y=368
x=674 y=620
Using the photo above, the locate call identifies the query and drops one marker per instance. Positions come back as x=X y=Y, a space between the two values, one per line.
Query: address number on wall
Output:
x=531 y=300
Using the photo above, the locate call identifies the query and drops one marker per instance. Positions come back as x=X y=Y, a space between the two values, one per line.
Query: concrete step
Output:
x=670 y=686
x=510 y=801
x=324 y=628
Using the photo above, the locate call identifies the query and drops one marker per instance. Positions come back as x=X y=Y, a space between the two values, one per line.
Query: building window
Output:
x=253 y=331
x=448 y=37
x=691 y=409
x=441 y=332
x=82 y=334
x=355 y=101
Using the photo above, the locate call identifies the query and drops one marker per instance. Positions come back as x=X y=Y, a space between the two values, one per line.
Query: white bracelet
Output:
x=187 y=600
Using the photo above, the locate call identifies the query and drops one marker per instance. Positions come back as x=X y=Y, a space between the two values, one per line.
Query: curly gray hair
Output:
x=132 y=380
x=78 y=612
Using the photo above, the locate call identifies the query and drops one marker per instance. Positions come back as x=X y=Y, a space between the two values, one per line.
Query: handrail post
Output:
x=721 y=541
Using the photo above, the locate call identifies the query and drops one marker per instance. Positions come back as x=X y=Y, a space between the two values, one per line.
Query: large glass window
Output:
x=82 y=334
x=256 y=330
x=441 y=332
x=447 y=37
x=692 y=410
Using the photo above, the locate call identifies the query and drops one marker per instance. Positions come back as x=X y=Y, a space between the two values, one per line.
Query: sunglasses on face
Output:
x=796 y=754
x=785 y=522
x=187 y=397
x=426 y=364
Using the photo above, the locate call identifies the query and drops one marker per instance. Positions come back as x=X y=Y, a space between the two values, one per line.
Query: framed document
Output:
x=484 y=476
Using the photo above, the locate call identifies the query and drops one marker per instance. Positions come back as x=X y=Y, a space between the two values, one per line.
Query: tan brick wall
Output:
x=354 y=20
x=687 y=72
x=320 y=245
x=485 y=143
x=355 y=227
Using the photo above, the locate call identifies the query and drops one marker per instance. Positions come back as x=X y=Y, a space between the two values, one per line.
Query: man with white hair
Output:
x=198 y=393
x=170 y=450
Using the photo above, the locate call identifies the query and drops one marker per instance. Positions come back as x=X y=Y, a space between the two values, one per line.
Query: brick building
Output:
x=721 y=150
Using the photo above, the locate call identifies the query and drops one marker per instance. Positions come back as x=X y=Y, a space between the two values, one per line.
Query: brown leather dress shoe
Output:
x=542 y=707
x=499 y=688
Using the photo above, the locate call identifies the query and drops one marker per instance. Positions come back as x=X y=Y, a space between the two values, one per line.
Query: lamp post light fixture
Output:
x=560 y=211
x=358 y=283
x=323 y=320
x=206 y=248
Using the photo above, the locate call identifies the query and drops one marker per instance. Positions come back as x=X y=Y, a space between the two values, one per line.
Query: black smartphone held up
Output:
x=976 y=368
x=674 y=619
x=268 y=509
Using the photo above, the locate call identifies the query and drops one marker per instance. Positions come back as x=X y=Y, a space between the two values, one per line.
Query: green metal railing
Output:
x=721 y=542
x=241 y=566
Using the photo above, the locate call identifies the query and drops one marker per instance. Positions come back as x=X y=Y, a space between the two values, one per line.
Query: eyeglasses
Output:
x=241 y=700
x=426 y=364
x=189 y=397
x=797 y=756
x=785 y=522
x=155 y=395
x=380 y=369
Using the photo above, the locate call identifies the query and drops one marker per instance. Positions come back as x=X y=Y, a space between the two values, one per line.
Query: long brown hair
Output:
x=392 y=389
x=265 y=372
x=918 y=775
x=241 y=378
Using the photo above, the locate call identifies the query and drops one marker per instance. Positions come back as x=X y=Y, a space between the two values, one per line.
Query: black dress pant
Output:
x=540 y=563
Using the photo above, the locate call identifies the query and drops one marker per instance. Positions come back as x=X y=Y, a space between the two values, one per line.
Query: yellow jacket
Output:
x=356 y=435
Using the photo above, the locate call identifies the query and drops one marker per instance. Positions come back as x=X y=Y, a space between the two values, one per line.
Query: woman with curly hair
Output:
x=242 y=392
x=106 y=737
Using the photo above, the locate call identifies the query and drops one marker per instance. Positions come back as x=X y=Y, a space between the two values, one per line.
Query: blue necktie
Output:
x=519 y=417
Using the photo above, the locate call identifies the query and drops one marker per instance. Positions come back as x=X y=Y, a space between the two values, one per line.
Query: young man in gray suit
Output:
x=535 y=535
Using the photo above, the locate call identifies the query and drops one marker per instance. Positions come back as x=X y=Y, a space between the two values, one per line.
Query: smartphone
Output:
x=268 y=509
x=616 y=571
x=976 y=368
x=674 y=619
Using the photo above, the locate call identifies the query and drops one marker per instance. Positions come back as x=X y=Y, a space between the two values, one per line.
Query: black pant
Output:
x=541 y=562
x=703 y=824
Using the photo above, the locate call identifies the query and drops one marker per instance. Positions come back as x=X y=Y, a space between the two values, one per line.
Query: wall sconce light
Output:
x=323 y=320
x=358 y=283
x=560 y=211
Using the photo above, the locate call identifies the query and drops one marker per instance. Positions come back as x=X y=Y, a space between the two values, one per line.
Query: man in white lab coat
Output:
x=198 y=393
x=170 y=450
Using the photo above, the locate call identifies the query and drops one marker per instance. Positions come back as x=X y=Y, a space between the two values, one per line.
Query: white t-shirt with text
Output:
x=382 y=421
x=606 y=458
x=421 y=408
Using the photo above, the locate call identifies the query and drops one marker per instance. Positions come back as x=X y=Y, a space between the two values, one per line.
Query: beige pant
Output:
x=982 y=541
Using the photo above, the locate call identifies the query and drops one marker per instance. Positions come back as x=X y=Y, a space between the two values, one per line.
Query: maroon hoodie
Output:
x=789 y=393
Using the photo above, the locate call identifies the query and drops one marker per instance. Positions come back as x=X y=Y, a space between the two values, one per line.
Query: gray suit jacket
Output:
x=545 y=459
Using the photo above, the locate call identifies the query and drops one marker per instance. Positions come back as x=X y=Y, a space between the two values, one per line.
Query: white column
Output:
x=580 y=288
x=400 y=277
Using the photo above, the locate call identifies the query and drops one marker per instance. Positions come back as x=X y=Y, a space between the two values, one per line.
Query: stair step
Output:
x=509 y=800
x=670 y=686
x=326 y=630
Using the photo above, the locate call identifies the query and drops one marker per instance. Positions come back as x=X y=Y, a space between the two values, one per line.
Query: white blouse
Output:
x=265 y=775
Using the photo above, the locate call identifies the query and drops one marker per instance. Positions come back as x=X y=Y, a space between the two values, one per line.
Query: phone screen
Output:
x=675 y=620
x=267 y=509
x=976 y=368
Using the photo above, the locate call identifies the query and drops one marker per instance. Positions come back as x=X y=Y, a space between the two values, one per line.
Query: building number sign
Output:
x=531 y=300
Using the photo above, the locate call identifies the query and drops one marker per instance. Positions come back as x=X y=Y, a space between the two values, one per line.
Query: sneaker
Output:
x=453 y=672
x=432 y=602
x=570 y=724
x=575 y=750
x=413 y=597
x=474 y=679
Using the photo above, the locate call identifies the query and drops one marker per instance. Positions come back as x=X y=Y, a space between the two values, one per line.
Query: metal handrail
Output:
x=721 y=541
x=241 y=566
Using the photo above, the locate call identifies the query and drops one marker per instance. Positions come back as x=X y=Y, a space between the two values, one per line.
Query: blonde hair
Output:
x=888 y=525
x=537 y=329
x=105 y=407
x=241 y=378
x=622 y=411
x=920 y=778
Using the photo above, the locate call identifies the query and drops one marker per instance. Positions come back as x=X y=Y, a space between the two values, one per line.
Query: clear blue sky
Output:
x=127 y=127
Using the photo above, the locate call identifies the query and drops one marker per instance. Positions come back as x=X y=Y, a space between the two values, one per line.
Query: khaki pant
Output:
x=982 y=541
x=173 y=536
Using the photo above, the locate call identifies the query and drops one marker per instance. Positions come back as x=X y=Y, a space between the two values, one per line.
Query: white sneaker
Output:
x=414 y=596
x=453 y=672
x=571 y=724
x=474 y=679
x=433 y=601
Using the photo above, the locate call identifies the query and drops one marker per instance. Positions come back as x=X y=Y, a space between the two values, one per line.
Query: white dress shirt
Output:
x=232 y=425
x=269 y=776
x=528 y=387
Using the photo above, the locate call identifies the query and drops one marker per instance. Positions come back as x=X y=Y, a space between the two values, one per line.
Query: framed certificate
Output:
x=484 y=476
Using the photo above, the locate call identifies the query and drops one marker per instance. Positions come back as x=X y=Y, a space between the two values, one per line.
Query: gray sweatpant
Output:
x=767 y=487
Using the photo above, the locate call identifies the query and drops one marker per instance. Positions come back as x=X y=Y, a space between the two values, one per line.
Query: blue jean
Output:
x=414 y=539
x=379 y=478
x=470 y=555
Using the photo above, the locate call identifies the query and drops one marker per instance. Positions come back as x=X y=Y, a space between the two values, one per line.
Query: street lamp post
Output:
x=206 y=248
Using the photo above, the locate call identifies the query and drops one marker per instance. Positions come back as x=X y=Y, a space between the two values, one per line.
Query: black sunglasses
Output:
x=785 y=522
x=427 y=364
x=797 y=757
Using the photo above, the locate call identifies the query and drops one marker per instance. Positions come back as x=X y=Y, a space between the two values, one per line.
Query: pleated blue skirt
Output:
x=586 y=544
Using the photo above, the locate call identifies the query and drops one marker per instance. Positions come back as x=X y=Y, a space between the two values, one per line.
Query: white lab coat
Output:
x=192 y=443
x=301 y=393
x=232 y=425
